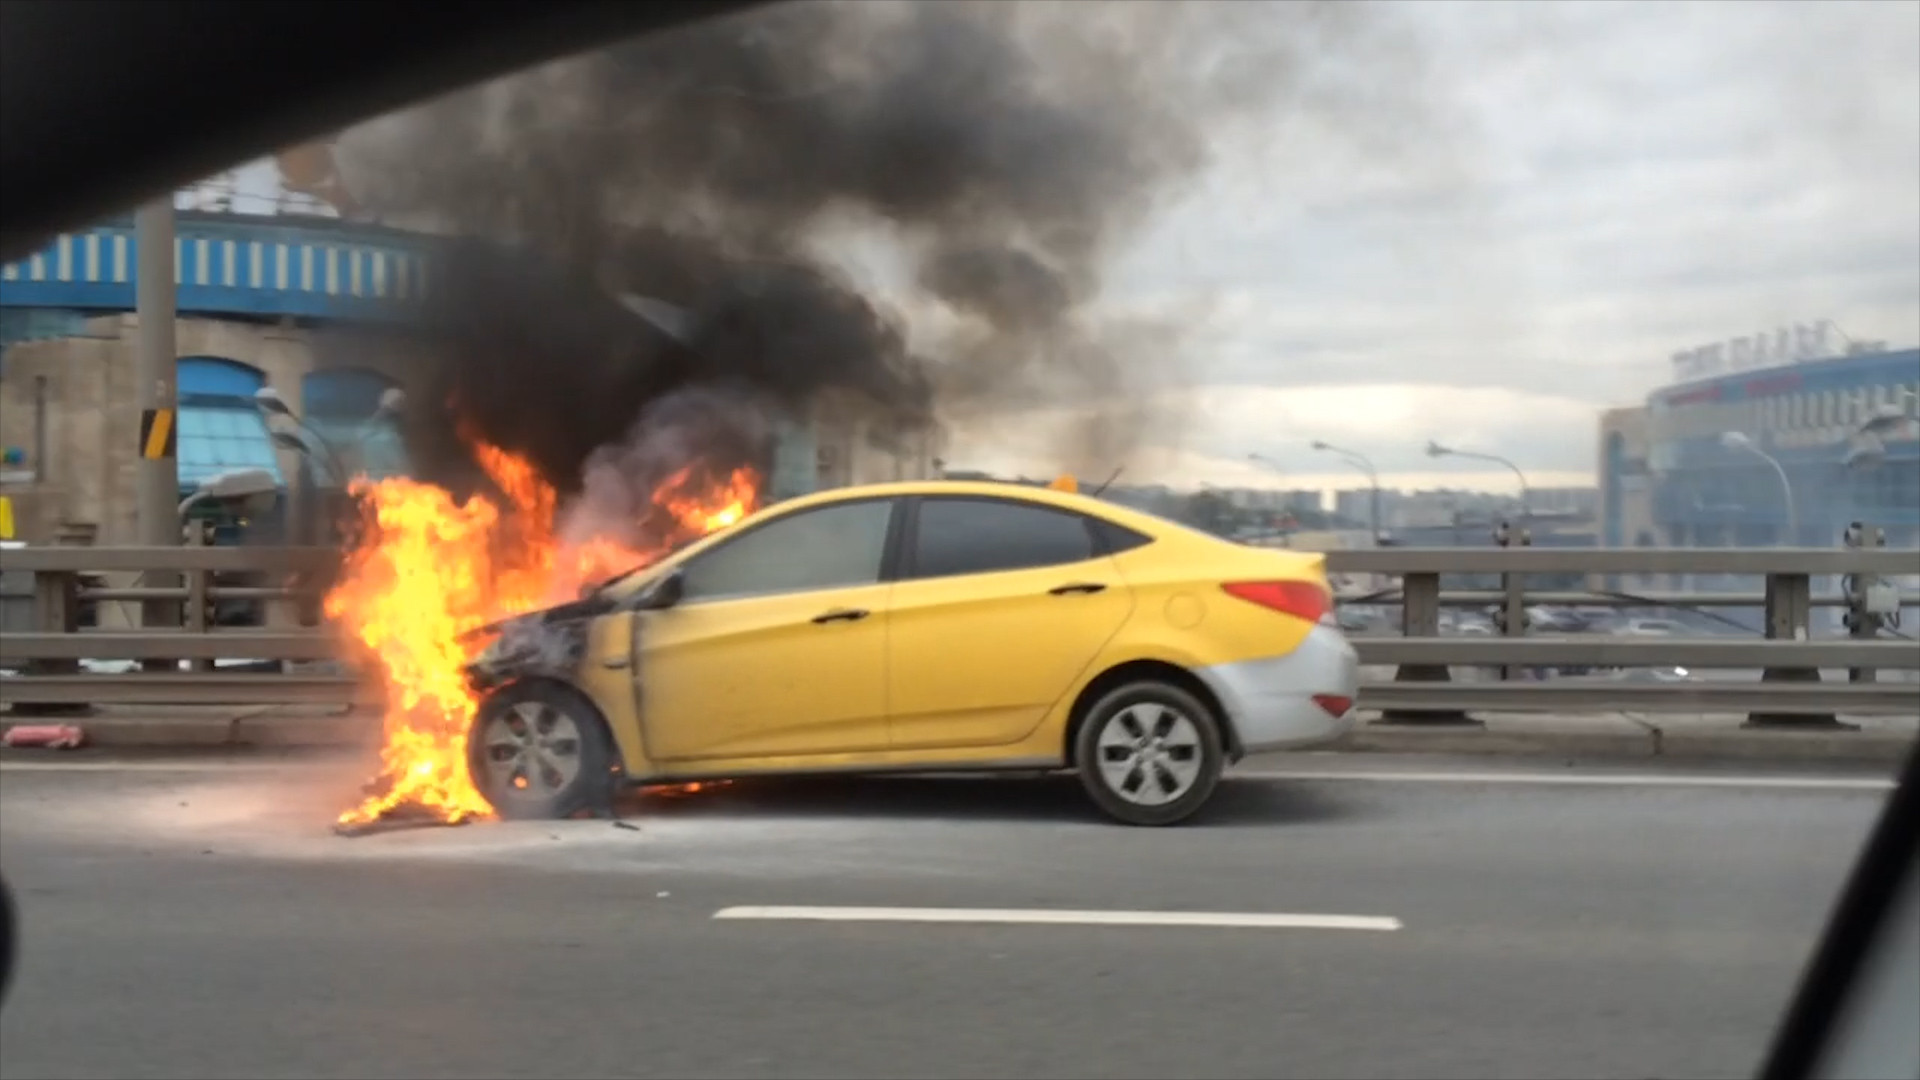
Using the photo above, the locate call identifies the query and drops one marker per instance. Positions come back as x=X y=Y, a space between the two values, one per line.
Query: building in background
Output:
x=252 y=290
x=1626 y=489
x=259 y=297
x=1688 y=469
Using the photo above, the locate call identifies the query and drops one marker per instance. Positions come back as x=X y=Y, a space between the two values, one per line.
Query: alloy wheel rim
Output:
x=532 y=751
x=1149 y=754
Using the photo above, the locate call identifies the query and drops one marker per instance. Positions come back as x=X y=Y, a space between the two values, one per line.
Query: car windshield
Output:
x=355 y=725
x=606 y=585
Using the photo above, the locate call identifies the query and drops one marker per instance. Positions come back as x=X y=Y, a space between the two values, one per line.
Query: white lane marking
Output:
x=1810 y=783
x=1059 y=917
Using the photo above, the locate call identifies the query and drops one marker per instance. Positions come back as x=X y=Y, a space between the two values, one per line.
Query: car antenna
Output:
x=1108 y=482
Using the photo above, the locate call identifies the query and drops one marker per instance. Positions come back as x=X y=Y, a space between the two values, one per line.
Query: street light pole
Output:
x=157 y=466
x=1288 y=504
x=1364 y=464
x=1740 y=440
x=157 y=475
x=1435 y=450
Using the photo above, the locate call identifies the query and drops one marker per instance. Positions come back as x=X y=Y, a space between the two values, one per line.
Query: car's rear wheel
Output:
x=1150 y=753
x=539 y=751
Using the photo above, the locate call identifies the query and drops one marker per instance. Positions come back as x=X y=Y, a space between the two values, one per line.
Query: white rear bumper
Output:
x=1270 y=701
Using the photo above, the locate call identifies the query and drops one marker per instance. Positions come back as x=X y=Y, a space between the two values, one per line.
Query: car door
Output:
x=777 y=645
x=1001 y=605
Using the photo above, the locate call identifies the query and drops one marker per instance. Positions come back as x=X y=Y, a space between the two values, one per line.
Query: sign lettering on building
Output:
x=1788 y=345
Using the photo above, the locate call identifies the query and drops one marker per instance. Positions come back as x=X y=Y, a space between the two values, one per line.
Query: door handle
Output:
x=841 y=615
x=1077 y=587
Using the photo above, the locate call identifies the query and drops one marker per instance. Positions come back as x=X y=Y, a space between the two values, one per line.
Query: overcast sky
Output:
x=1598 y=186
x=1586 y=188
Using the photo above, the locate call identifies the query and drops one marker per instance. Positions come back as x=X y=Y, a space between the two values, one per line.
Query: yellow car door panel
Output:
x=777 y=646
x=981 y=641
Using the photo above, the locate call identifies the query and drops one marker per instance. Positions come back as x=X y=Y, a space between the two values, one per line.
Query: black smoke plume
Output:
x=1004 y=149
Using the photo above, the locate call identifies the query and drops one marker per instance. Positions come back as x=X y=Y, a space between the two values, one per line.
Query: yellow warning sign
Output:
x=157 y=436
x=6 y=518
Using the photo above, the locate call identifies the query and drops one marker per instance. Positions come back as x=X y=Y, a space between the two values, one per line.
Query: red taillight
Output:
x=1335 y=705
x=1302 y=599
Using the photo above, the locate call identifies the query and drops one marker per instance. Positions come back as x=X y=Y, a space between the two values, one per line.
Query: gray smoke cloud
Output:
x=676 y=446
x=1008 y=150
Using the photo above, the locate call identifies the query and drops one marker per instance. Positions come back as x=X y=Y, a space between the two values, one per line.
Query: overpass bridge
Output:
x=229 y=266
x=251 y=292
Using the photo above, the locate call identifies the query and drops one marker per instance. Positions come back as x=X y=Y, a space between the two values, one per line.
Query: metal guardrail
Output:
x=186 y=688
x=173 y=644
x=232 y=560
x=1790 y=690
x=1802 y=562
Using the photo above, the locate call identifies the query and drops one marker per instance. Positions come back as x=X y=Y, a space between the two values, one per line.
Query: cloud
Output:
x=1389 y=423
x=1585 y=188
x=1619 y=182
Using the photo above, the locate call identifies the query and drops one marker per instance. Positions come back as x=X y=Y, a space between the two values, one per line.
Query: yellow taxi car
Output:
x=930 y=626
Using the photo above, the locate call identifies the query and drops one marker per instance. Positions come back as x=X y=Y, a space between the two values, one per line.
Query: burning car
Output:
x=931 y=626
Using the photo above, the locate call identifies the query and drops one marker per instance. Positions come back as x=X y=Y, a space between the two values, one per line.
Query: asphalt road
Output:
x=199 y=920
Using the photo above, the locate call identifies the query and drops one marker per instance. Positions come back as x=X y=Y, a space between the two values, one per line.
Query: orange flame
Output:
x=430 y=570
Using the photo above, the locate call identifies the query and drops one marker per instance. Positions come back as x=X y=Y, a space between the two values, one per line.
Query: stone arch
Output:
x=220 y=426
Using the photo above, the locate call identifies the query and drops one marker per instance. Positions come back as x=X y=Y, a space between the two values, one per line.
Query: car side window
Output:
x=981 y=536
x=825 y=548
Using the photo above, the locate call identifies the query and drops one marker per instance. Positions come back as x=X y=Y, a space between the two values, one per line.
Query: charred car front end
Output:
x=549 y=642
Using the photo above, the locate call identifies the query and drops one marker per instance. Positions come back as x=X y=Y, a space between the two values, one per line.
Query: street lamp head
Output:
x=251 y=490
x=1736 y=440
x=1434 y=449
x=1318 y=445
x=238 y=484
x=1867 y=449
x=1886 y=420
x=268 y=400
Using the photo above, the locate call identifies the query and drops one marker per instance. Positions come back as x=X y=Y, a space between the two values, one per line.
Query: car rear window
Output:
x=1115 y=539
x=985 y=535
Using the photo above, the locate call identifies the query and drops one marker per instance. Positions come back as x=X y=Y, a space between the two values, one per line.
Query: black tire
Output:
x=569 y=768
x=1126 y=719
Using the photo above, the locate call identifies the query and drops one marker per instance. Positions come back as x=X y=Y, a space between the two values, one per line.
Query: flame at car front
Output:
x=428 y=570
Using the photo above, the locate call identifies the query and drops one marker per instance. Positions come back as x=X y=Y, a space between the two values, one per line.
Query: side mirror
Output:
x=663 y=593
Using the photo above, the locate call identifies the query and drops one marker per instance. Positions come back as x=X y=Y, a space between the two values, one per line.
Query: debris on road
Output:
x=396 y=818
x=47 y=736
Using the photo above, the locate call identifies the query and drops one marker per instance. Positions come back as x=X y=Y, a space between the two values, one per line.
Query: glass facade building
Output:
x=1808 y=418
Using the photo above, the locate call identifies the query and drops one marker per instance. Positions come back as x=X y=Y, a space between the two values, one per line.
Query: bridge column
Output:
x=1420 y=617
x=1789 y=612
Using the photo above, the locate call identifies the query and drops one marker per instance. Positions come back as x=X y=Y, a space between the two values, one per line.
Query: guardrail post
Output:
x=1512 y=616
x=1789 y=607
x=1863 y=621
x=56 y=609
x=1420 y=617
x=197 y=594
x=1513 y=624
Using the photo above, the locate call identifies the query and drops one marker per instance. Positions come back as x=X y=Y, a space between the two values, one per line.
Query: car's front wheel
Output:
x=1150 y=753
x=538 y=750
